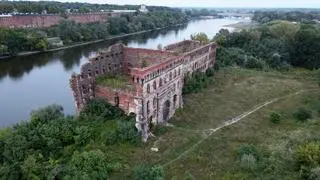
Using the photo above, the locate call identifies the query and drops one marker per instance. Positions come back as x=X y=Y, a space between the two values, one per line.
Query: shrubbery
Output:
x=308 y=159
x=275 y=117
x=52 y=145
x=90 y=165
x=146 y=172
x=99 y=107
x=302 y=114
x=197 y=81
x=123 y=132
x=160 y=130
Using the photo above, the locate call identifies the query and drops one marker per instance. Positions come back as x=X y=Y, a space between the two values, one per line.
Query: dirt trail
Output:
x=233 y=121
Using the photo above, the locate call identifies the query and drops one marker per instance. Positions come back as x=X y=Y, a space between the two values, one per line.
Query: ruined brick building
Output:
x=152 y=89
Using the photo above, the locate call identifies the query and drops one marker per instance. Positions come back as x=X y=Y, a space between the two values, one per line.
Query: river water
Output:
x=30 y=82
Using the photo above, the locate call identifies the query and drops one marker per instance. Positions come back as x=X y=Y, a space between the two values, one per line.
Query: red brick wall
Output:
x=48 y=20
x=126 y=99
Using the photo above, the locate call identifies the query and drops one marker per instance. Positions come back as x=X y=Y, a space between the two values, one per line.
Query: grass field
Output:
x=191 y=146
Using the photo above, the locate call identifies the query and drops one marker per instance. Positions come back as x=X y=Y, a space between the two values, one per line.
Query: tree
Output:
x=202 y=37
x=89 y=165
x=46 y=114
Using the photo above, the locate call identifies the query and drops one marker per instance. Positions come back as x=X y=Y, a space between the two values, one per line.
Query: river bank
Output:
x=88 y=42
x=243 y=25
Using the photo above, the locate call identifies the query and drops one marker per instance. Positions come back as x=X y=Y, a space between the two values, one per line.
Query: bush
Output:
x=274 y=118
x=160 y=130
x=46 y=114
x=248 y=162
x=146 y=172
x=89 y=165
x=124 y=132
x=308 y=159
x=210 y=72
x=196 y=82
x=248 y=150
x=188 y=176
x=309 y=155
x=302 y=114
x=315 y=174
x=99 y=107
x=254 y=63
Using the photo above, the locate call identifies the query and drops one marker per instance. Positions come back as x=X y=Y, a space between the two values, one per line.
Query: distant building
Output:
x=143 y=9
x=124 y=11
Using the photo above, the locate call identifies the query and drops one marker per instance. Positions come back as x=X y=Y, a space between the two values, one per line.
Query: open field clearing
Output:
x=202 y=144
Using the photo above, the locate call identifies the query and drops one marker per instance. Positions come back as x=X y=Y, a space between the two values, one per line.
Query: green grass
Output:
x=233 y=92
x=114 y=81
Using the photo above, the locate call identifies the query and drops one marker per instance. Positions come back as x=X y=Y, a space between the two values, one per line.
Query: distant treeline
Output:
x=13 y=41
x=277 y=44
x=297 y=16
x=58 y=7
x=201 y=12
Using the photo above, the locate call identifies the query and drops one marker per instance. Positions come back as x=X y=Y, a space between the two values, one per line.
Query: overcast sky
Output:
x=213 y=3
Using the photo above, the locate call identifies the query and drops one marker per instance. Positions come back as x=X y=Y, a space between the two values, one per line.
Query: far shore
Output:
x=85 y=43
x=242 y=25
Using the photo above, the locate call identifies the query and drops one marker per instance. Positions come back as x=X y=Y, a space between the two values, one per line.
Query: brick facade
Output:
x=156 y=79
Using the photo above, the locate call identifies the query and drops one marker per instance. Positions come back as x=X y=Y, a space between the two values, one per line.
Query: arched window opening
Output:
x=160 y=82
x=148 y=88
x=154 y=85
x=170 y=76
x=148 y=107
x=154 y=103
x=175 y=97
x=117 y=101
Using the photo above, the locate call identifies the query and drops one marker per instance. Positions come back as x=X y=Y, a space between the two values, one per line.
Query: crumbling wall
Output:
x=183 y=46
x=124 y=99
x=138 y=58
x=83 y=84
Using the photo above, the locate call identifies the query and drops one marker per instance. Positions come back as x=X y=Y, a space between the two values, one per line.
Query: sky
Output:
x=214 y=3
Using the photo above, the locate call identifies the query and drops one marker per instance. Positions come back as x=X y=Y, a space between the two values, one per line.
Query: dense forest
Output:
x=52 y=7
x=277 y=44
x=310 y=16
x=18 y=40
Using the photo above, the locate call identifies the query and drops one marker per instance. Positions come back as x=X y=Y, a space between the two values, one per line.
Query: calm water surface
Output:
x=27 y=83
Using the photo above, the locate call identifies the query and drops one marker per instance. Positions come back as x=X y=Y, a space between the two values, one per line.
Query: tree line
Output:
x=296 y=16
x=13 y=41
x=51 y=7
x=277 y=44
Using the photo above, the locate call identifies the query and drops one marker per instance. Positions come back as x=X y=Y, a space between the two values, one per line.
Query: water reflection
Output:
x=15 y=68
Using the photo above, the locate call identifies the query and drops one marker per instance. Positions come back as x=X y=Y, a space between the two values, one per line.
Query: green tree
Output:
x=202 y=37
x=89 y=165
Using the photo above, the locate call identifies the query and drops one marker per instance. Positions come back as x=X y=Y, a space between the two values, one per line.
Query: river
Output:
x=31 y=82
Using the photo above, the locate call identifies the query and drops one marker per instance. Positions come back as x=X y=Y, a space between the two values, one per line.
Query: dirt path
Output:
x=233 y=121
